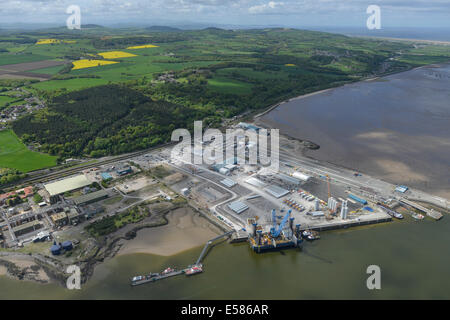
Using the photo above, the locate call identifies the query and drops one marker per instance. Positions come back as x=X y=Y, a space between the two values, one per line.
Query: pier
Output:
x=172 y=273
x=430 y=212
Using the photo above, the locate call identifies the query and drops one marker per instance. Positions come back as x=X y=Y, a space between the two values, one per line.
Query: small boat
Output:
x=168 y=270
x=398 y=215
x=142 y=278
x=418 y=216
x=194 y=270
x=311 y=235
x=137 y=278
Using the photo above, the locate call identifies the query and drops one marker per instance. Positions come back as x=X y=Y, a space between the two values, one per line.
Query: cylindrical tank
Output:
x=55 y=249
x=67 y=245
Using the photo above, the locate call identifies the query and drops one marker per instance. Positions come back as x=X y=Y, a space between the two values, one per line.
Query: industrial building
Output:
x=90 y=198
x=91 y=210
x=238 y=207
x=106 y=176
x=255 y=182
x=228 y=183
x=248 y=126
x=60 y=219
x=27 y=227
x=73 y=216
x=276 y=191
x=70 y=184
x=301 y=176
x=401 y=189
x=123 y=170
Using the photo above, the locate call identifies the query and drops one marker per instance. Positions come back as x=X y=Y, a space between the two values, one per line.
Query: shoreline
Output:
x=267 y=123
x=435 y=42
x=185 y=230
x=138 y=238
x=363 y=79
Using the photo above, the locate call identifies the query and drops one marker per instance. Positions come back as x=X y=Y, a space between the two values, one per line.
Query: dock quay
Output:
x=153 y=278
x=169 y=272
x=239 y=236
x=346 y=224
x=430 y=212
x=202 y=254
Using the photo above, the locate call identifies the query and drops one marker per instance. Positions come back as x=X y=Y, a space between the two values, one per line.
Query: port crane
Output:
x=274 y=219
x=276 y=230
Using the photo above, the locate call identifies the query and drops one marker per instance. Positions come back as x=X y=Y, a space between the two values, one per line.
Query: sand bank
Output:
x=186 y=229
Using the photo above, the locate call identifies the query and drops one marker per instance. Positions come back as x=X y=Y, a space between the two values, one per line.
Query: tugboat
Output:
x=136 y=280
x=167 y=271
x=194 y=269
x=398 y=215
x=418 y=216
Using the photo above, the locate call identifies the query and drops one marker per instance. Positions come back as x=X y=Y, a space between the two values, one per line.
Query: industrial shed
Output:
x=66 y=185
x=90 y=197
x=27 y=227
x=276 y=191
x=238 y=206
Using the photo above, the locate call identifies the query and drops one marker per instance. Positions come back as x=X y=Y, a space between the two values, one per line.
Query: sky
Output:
x=289 y=13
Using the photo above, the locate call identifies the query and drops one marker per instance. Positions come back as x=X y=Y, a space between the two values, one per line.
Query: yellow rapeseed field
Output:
x=51 y=41
x=143 y=47
x=88 y=63
x=116 y=55
x=290 y=65
x=48 y=41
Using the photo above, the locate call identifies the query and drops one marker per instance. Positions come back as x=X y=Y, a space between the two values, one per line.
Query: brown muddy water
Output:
x=396 y=128
x=413 y=257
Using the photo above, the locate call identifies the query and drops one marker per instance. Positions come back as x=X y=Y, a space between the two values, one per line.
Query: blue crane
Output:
x=274 y=219
x=277 y=231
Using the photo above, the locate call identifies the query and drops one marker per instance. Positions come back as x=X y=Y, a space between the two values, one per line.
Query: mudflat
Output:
x=186 y=229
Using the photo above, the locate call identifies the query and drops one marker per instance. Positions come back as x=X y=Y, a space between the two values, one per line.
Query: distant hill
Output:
x=91 y=26
x=162 y=29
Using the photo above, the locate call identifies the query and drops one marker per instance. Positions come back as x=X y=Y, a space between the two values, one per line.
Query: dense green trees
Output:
x=104 y=120
x=10 y=175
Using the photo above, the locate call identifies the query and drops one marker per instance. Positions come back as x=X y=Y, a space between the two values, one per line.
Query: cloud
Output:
x=263 y=8
x=220 y=11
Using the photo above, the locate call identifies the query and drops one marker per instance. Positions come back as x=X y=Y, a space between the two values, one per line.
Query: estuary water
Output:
x=396 y=128
x=413 y=257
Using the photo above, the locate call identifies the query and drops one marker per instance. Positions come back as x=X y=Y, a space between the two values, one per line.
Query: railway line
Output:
x=42 y=178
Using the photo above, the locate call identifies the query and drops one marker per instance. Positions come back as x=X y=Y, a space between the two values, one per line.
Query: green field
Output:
x=225 y=85
x=70 y=85
x=49 y=70
x=5 y=99
x=20 y=58
x=15 y=155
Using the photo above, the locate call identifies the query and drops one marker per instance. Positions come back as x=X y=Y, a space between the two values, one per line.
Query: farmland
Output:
x=88 y=63
x=209 y=74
